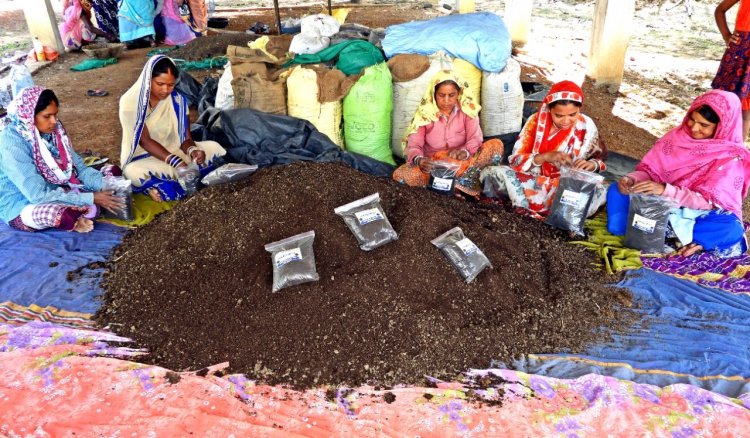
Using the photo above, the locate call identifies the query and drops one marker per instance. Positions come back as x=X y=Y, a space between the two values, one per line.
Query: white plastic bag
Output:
x=229 y=173
x=308 y=44
x=319 y=24
x=225 y=93
x=315 y=35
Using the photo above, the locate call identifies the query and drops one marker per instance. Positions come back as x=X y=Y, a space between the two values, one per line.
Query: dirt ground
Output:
x=194 y=286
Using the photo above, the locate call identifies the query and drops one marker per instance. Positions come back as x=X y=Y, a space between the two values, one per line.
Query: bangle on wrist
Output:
x=173 y=160
x=468 y=154
x=191 y=149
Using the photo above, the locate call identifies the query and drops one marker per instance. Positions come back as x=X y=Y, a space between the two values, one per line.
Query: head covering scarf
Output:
x=565 y=90
x=428 y=112
x=718 y=168
x=57 y=171
x=134 y=105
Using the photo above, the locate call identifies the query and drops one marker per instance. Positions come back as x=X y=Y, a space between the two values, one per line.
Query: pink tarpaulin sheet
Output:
x=56 y=381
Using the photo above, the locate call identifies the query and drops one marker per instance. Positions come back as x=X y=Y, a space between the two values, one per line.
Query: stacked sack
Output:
x=367 y=114
x=502 y=101
x=321 y=106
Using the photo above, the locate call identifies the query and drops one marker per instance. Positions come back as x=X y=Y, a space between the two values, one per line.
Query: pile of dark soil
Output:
x=210 y=46
x=194 y=286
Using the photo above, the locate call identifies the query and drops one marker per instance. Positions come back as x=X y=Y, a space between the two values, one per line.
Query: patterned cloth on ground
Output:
x=467 y=181
x=707 y=269
x=54 y=380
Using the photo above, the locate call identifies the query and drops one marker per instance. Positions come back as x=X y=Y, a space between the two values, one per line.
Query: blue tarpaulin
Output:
x=685 y=333
x=480 y=38
x=34 y=267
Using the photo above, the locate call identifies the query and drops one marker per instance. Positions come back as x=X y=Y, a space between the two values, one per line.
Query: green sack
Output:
x=353 y=56
x=367 y=114
x=91 y=64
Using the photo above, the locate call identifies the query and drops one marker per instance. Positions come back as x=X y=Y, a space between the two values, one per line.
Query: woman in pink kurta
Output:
x=446 y=128
x=704 y=167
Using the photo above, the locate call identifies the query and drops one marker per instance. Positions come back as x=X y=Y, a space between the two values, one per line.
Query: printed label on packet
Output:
x=467 y=246
x=574 y=199
x=443 y=184
x=370 y=215
x=643 y=223
x=281 y=258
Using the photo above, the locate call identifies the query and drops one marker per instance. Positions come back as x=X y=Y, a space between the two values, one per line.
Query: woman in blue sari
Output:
x=136 y=19
x=156 y=139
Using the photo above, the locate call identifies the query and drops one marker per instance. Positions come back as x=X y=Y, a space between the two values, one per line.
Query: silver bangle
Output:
x=191 y=149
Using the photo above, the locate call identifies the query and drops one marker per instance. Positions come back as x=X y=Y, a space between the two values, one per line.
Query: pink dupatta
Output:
x=718 y=168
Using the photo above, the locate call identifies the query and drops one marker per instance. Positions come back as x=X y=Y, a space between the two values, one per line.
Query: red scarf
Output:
x=542 y=125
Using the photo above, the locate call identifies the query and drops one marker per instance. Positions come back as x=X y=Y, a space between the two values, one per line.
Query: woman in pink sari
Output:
x=704 y=167
x=171 y=27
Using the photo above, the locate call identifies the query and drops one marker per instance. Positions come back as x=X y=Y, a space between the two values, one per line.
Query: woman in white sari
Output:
x=156 y=137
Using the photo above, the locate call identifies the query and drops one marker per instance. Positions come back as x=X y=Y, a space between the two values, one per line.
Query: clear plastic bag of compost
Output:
x=443 y=177
x=367 y=221
x=189 y=177
x=293 y=261
x=230 y=172
x=647 y=222
x=462 y=253
x=122 y=188
x=573 y=199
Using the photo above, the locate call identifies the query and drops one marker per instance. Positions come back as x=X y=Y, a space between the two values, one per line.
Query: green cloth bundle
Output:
x=353 y=56
x=204 y=64
x=91 y=64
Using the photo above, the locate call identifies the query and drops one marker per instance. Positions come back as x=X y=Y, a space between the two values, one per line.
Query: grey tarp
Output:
x=255 y=137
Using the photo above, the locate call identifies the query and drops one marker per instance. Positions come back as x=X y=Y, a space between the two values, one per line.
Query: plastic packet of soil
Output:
x=122 y=188
x=293 y=261
x=189 y=177
x=230 y=172
x=647 y=222
x=367 y=221
x=443 y=177
x=462 y=253
x=573 y=199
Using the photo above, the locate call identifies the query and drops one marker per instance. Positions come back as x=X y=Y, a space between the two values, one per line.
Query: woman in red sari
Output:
x=559 y=134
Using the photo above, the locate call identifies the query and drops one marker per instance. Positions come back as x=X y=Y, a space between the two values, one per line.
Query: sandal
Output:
x=98 y=92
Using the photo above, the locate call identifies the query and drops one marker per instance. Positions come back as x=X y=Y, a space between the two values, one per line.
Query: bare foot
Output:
x=154 y=194
x=689 y=249
x=83 y=225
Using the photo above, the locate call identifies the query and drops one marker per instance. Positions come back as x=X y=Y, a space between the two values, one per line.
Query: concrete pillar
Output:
x=40 y=18
x=610 y=35
x=518 y=19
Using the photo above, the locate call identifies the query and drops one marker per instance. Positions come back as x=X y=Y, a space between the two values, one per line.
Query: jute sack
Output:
x=260 y=93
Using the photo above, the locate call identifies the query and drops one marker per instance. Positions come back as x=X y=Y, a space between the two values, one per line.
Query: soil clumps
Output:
x=216 y=45
x=194 y=286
